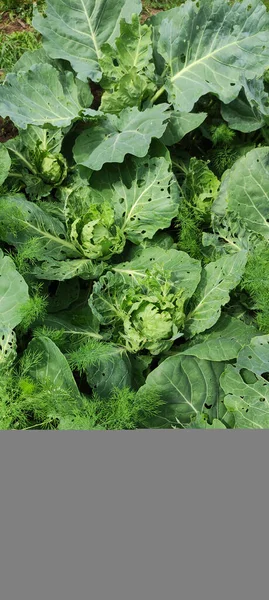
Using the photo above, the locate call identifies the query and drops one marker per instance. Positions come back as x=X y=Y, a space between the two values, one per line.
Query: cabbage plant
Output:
x=134 y=219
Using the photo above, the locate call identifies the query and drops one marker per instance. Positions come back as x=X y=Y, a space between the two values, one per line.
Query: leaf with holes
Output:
x=8 y=348
x=65 y=269
x=149 y=193
x=207 y=47
x=255 y=356
x=189 y=386
x=128 y=72
x=184 y=271
x=247 y=400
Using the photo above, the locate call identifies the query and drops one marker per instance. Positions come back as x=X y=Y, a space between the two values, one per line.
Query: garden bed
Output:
x=134 y=216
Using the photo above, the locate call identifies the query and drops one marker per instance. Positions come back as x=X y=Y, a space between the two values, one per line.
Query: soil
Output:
x=7 y=130
x=149 y=13
x=97 y=93
x=16 y=25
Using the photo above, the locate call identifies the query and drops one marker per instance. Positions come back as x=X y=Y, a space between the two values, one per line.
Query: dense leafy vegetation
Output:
x=134 y=219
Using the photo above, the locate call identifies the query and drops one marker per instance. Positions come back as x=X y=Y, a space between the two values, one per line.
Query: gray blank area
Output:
x=134 y=515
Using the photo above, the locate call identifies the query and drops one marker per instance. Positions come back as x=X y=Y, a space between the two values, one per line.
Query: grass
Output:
x=13 y=45
x=22 y=9
x=16 y=33
x=148 y=5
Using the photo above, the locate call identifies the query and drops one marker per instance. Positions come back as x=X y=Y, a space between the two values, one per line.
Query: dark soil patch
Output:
x=7 y=130
x=97 y=93
x=10 y=26
x=149 y=13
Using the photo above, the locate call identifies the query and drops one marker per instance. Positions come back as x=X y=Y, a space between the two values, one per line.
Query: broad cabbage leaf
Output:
x=112 y=370
x=42 y=95
x=189 y=386
x=179 y=124
x=138 y=192
x=53 y=368
x=13 y=293
x=185 y=272
x=244 y=191
x=22 y=221
x=110 y=140
x=207 y=47
x=223 y=341
x=246 y=386
x=250 y=111
x=217 y=280
x=77 y=29
x=5 y=164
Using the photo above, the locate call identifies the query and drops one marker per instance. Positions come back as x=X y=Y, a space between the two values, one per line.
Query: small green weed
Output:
x=12 y=46
x=22 y=9
x=148 y=5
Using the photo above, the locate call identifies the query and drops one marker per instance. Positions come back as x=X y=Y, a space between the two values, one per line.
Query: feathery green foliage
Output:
x=134 y=217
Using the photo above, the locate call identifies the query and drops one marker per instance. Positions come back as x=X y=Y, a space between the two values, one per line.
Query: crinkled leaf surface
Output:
x=133 y=50
x=136 y=190
x=188 y=386
x=217 y=280
x=130 y=91
x=208 y=47
x=184 y=271
x=13 y=293
x=114 y=137
x=231 y=235
x=5 y=163
x=245 y=191
x=75 y=30
x=201 y=186
x=127 y=69
x=41 y=96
